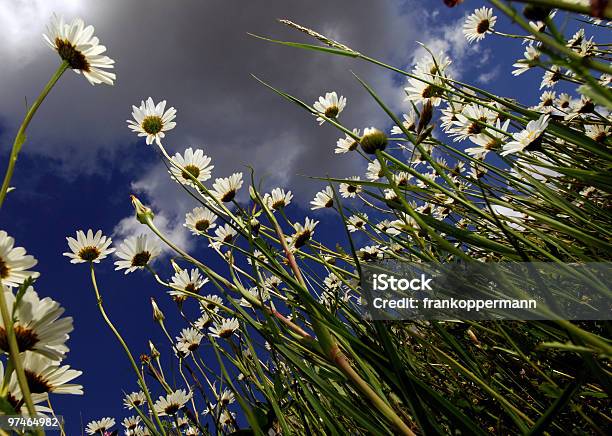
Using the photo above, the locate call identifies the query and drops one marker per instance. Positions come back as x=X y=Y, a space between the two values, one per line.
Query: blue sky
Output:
x=81 y=163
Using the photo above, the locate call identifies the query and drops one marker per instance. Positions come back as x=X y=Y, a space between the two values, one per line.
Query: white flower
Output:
x=224 y=329
x=470 y=121
x=226 y=398
x=223 y=235
x=421 y=92
x=225 y=188
x=356 y=222
x=533 y=131
x=188 y=282
x=135 y=399
x=227 y=418
x=45 y=375
x=551 y=77
x=330 y=105
x=38 y=326
x=14 y=262
x=597 y=132
x=532 y=56
x=76 y=44
x=374 y=171
x=370 y=252
x=136 y=252
x=188 y=341
x=88 y=248
x=430 y=65
x=152 y=121
x=323 y=199
x=348 y=143
x=200 y=220
x=277 y=198
x=409 y=123
x=172 y=403
x=332 y=281
x=202 y=322
x=131 y=422
x=212 y=303
x=350 y=190
x=478 y=24
x=488 y=140
x=195 y=163
x=302 y=233
x=101 y=426
x=15 y=398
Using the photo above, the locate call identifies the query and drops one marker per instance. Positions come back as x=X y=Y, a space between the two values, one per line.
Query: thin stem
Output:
x=7 y=319
x=125 y=347
x=21 y=137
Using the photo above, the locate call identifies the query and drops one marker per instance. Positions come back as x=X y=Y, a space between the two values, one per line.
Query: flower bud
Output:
x=158 y=315
x=144 y=214
x=154 y=353
x=372 y=140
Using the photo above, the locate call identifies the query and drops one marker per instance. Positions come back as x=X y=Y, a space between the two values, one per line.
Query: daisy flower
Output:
x=546 y=104
x=152 y=121
x=88 y=247
x=187 y=281
x=348 y=143
x=350 y=190
x=136 y=252
x=14 y=262
x=15 y=398
x=370 y=252
x=563 y=101
x=194 y=163
x=551 y=77
x=224 y=329
x=522 y=139
x=470 y=121
x=489 y=140
x=188 y=341
x=419 y=91
x=225 y=188
x=597 y=132
x=227 y=418
x=323 y=199
x=200 y=220
x=356 y=222
x=101 y=426
x=374 y=171
x=38 y=326
x=172 y=403
x=226 y=397
x=135 y=399
x=45 y=375
x=432 y=65
x=277 y=198
x=302 y=233
x=532 y=56
x=330 y=105
x=409 y=123
x=479 y=23
x=131 y=422
x=76 y=44
x=223 y=235
x=212 y=303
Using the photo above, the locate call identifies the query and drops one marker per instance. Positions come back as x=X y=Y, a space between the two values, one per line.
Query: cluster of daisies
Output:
x=41 y=333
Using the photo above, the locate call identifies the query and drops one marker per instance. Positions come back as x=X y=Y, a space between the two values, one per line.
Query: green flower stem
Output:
x=21 y=136
x=568 y=6
x=127 y=350
x=7 y=319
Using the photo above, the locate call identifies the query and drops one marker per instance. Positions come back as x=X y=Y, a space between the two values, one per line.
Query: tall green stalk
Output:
x=21 y=133
x=126 y=349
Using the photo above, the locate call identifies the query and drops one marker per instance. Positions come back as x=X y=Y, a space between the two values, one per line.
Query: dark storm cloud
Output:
x=198 y=56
